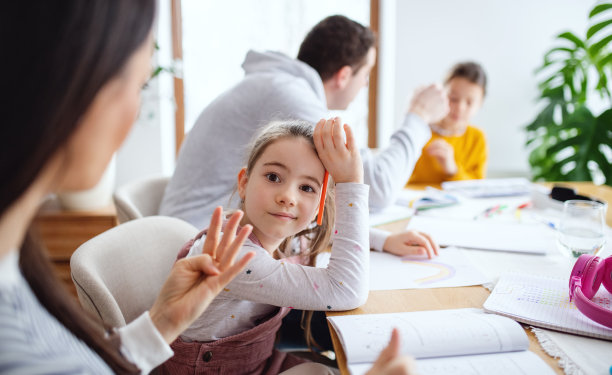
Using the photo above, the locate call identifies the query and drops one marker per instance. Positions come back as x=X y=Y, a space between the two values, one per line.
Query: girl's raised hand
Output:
x=342 y=160
x=195 y=281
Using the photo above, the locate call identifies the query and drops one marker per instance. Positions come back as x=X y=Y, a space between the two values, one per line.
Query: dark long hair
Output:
x=59 y=54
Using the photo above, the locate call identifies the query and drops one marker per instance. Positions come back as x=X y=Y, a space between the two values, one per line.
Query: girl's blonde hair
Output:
x=318 y=237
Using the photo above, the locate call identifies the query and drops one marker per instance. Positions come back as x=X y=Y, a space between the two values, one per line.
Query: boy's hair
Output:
x=471 y=71
x=335 y=42
x=318 y=236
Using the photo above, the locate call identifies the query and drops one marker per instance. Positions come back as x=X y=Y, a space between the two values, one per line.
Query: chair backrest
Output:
x=119 y=273
x=139 y=198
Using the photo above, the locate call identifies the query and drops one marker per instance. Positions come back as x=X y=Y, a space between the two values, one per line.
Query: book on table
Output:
x=544 y=302
x=459 y=341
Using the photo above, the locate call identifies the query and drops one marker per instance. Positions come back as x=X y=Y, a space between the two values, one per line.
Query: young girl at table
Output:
x=280 y=190
x=457 y=150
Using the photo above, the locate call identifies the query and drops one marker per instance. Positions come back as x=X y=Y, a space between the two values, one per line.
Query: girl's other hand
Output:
x=411 y=242
x=194 y=282
x=342 y=160
x=444 y=154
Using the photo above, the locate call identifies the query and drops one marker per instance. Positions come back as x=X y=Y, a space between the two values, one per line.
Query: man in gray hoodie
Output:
x=333 y=64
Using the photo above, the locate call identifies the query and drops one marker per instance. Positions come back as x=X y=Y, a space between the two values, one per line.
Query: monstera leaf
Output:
x=567 y=142
x=578 y=144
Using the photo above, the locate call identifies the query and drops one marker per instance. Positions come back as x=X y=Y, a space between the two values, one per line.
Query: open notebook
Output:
x=544 y=302
x=468 y=340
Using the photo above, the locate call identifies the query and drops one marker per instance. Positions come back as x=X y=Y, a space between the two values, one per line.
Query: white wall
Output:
x=509 y=38
x=218 y=34
x=149 y=148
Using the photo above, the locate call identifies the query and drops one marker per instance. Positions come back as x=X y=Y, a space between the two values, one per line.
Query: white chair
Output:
x=119 y=273
x=140 y=198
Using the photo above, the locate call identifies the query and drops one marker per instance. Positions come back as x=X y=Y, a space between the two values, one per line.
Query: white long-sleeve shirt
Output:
x=275 y=87
x=32 y=341
x=267 y=282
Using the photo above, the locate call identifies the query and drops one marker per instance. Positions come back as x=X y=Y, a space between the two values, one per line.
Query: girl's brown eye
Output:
x=307 y=188
x=273 y=177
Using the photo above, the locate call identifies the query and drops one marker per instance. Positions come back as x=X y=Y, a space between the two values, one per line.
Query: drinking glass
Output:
x=582 y=227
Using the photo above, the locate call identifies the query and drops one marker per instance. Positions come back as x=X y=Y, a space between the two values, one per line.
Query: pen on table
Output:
x=486 y=212
x=499 y=209
x=549 y=223
x=517 y=212
x=524 y=205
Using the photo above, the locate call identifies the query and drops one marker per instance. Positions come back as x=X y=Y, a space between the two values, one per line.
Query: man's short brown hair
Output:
x=335 y=42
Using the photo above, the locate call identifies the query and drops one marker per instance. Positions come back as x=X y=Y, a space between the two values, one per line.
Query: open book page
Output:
x=487 y=235
x=426 y=334
x=544 y=302
x=524 y=362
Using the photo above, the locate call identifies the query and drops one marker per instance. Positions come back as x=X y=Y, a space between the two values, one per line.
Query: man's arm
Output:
x=388 y=170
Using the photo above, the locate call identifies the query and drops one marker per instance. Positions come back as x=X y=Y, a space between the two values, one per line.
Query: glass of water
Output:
x=582 y=227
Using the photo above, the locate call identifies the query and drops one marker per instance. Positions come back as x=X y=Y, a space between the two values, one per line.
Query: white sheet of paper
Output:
x=390 y=214
x=389 y=272
x=488 y=234
x=449 y=269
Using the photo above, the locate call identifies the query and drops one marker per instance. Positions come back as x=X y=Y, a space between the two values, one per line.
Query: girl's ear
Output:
x=242 y=182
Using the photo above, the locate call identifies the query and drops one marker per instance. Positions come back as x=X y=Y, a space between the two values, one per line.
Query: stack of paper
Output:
x=490 y=187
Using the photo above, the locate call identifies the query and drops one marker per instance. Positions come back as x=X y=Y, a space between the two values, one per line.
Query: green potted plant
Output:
x=567 y=142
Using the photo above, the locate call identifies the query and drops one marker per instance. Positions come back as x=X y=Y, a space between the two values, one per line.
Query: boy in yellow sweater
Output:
x=456 y=150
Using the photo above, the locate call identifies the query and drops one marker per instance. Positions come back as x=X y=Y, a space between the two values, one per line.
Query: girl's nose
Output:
x=286 y=197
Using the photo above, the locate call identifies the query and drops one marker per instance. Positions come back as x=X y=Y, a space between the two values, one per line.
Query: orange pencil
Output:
x=322 y=202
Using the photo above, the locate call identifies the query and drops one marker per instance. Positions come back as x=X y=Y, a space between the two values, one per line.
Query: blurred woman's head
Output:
x=73 y=75
x=466 y=86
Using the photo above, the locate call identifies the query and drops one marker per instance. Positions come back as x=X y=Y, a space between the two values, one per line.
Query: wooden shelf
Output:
x=63 y=231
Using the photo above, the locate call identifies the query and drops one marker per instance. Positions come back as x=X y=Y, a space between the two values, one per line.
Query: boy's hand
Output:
x=342 y=160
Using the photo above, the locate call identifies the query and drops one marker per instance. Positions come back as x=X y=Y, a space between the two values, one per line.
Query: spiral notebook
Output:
x=544 y=302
